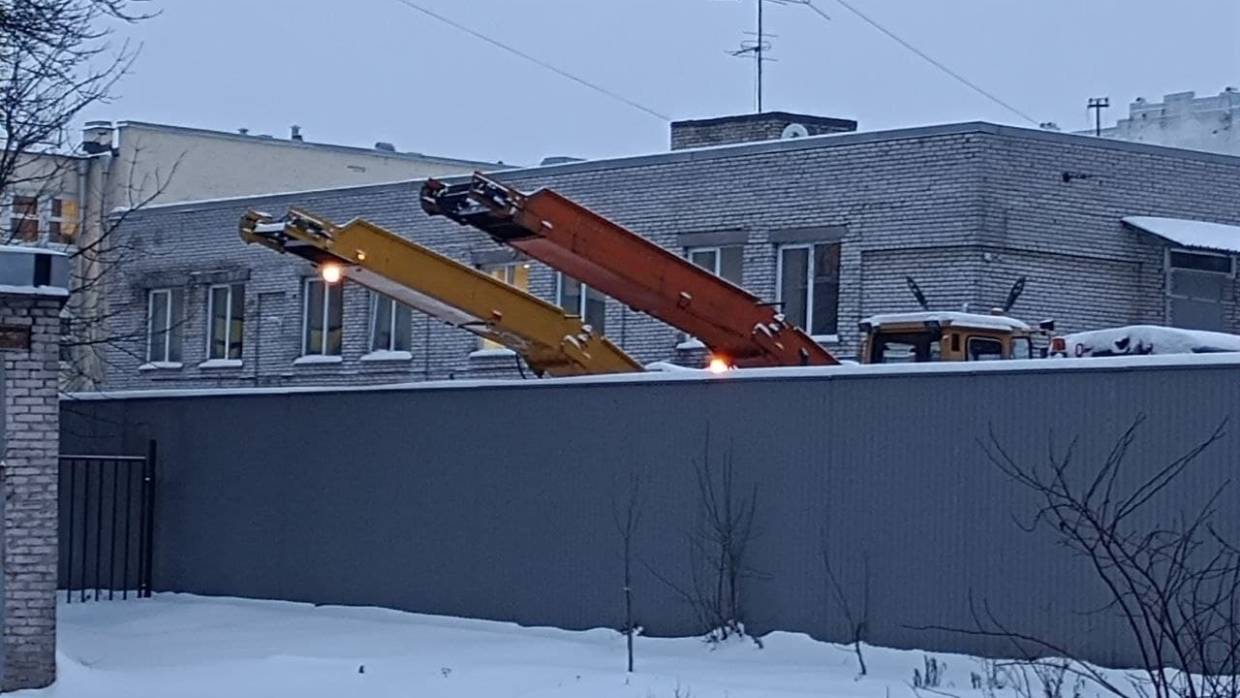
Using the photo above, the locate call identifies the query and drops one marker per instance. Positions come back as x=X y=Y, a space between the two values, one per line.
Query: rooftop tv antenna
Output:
x=760 y=45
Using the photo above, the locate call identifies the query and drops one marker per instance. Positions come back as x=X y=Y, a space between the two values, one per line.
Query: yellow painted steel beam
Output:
x=551 y=341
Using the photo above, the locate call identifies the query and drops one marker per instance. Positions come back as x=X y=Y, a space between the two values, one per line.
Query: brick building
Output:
x=829 y=225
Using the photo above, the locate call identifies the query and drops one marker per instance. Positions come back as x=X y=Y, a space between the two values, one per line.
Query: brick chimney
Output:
x=752 y=128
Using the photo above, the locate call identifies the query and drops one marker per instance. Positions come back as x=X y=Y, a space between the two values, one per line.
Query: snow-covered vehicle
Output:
x=932 y=335
x=946 y=336
x=1136 y=340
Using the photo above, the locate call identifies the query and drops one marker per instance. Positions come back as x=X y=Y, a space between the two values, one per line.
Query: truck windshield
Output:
x=985 y=349
x=904 y=348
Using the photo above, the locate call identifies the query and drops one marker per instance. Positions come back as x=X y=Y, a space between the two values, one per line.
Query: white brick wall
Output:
x=30 y=478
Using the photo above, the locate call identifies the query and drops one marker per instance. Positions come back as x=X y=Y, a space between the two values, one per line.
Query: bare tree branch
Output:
x=1173 y=583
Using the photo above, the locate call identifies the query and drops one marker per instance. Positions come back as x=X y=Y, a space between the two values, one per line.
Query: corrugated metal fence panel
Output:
x=497 y=502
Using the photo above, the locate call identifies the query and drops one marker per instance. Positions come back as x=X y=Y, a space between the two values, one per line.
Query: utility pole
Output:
x=1097 y=104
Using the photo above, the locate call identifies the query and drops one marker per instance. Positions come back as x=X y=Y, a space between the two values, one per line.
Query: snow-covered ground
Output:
x=187 y=646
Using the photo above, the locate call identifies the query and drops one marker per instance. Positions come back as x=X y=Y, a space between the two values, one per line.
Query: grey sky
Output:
x=359 y=71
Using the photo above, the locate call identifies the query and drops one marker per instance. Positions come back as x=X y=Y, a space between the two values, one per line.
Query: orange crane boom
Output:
x=732 y=323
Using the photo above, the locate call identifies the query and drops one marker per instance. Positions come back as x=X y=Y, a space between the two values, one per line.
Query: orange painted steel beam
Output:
x=731 y=322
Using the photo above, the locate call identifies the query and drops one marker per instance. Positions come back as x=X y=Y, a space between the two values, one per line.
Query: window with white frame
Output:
x=514 y=274
x=1198 y=283
x=809 y=286
x=24 y=218
x=583 y=301
x=29 y=217
x=163 y=322
x=323 y=320
x=390 y=324
x=226 y=321
x=724 y=262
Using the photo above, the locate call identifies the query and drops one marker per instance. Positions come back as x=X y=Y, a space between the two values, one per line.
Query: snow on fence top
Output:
x=1149 y=339
x=844 y=371
x=1211 y=236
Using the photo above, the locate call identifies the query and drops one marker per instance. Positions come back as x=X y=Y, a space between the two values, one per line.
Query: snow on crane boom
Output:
x=549 y=340
x=732 y=323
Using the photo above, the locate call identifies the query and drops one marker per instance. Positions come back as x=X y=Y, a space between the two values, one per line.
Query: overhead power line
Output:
x=536 y=61
x=927 y=58
x=817 y=10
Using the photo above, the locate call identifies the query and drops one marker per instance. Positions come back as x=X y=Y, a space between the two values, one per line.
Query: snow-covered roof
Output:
x=1149 y=339
x=17 y=290
x=30 y=249
x=1201 y=234
x=946 y=318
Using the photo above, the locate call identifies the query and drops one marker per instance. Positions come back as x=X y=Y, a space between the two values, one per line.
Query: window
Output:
x=581 y=300
x=515 y=274
x=324 y=318
x=1197 y=284
x=904 y=348
x=809 y=286
x=984 y=349
x=62 y=221
x=226 y=318
x=24 y=220
x=163 y=324
x=724 y=262
x=389 y=324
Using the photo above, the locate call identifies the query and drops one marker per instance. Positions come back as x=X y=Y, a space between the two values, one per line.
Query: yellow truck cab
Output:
x=946 y=336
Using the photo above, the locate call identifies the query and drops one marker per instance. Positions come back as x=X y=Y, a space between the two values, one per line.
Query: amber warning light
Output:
x=331 y=273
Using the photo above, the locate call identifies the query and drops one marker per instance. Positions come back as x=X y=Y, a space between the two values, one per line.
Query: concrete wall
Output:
x=496 y=501
x=966 y=209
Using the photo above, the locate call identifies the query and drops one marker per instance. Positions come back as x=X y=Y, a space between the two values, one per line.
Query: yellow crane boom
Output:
x=550 y=340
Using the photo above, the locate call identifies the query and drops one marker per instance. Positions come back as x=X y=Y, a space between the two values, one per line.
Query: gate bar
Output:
x=150 y=516
x=69 y=552
x=128 y=515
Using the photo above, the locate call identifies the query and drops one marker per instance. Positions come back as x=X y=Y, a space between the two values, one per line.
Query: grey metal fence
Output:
x=497 y=502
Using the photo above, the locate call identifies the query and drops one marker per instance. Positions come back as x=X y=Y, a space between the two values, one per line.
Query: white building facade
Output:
x=1184 y=120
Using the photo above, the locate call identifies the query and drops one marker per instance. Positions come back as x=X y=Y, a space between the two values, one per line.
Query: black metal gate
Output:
x=106 y=525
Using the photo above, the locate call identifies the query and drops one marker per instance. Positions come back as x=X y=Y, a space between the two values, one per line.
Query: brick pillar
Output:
x=30 y=349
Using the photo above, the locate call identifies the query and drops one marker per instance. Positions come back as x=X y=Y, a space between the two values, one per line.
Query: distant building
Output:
x=828 y=226
x=63 y=201
x=1183 y=120
x=159 y=163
